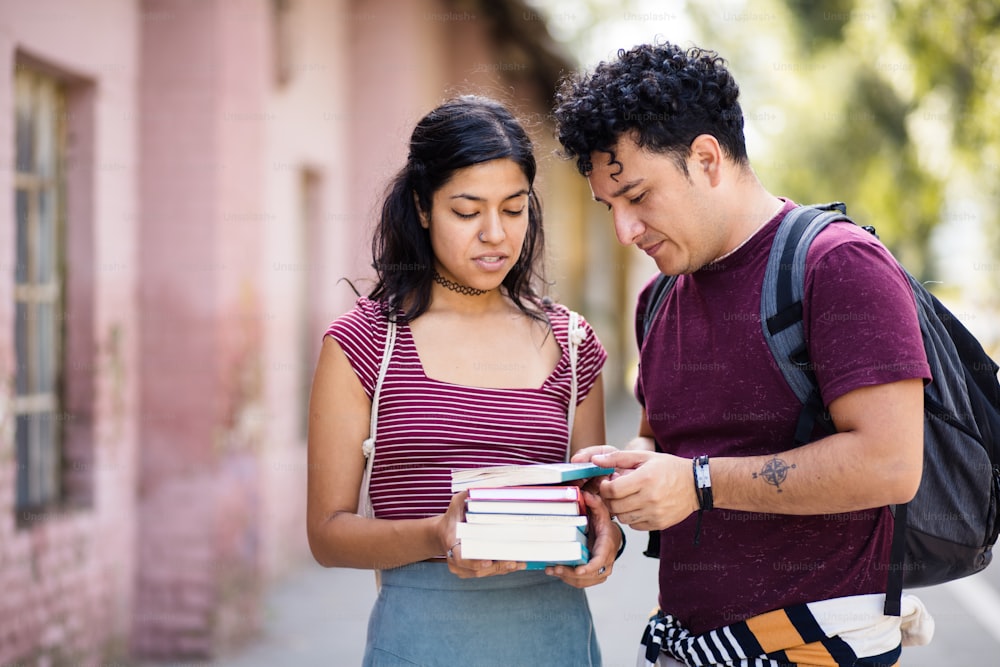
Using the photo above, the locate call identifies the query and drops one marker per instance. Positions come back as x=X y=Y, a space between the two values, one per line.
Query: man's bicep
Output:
x=889 y=418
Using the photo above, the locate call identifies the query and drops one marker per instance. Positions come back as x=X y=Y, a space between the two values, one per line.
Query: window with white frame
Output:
x=39 y=114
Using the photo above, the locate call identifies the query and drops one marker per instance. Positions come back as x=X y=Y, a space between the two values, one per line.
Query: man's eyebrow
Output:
x=462 y=195
x=622 y=190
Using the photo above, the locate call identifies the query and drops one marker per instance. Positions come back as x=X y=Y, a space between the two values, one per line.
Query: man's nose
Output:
x=628 y=227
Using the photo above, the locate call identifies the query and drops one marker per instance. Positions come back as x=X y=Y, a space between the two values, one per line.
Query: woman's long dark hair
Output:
x=462 y=132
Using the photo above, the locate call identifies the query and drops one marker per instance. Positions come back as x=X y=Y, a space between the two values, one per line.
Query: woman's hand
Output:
x=468 y=568
x=605 y=537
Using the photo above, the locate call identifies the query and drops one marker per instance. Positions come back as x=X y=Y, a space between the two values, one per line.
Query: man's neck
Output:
x=758 y=207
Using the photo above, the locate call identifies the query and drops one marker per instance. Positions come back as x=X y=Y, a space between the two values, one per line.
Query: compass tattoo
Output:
x=774 y=472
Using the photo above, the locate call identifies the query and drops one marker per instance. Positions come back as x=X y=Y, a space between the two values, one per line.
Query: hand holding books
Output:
x=523 y=513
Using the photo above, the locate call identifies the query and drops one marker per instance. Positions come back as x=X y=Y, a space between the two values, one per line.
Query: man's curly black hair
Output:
x=664 y=94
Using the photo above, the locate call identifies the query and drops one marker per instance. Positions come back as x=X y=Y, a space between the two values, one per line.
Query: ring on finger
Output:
x=451 y=549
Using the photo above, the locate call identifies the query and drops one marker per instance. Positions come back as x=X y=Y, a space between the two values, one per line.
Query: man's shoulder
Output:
x=844 y=244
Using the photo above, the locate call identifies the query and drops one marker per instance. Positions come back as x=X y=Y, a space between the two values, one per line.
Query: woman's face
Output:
x=478 y=222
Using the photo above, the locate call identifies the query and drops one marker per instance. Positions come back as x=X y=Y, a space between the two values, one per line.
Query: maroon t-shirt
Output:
x=710 y=386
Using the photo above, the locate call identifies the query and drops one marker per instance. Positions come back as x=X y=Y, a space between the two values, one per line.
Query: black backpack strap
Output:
x=657 y=295
x=894 y=587
x=781 y=308
x=781 y=319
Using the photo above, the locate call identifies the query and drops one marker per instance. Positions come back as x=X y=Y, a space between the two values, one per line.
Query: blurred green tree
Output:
x=889 y=105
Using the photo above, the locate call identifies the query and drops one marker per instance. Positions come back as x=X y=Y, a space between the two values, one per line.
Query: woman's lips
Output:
x=490 y=262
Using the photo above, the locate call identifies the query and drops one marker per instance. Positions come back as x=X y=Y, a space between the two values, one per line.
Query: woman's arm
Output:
x=339 y=420
x=588 y=424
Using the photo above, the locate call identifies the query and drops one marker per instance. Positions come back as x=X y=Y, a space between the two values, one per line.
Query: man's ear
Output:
x=706 y=157
x=425 y=220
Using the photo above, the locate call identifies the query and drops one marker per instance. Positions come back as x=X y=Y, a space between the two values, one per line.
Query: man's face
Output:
x=657 y=207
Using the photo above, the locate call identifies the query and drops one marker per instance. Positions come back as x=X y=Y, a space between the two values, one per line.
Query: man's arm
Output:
x=875 y=459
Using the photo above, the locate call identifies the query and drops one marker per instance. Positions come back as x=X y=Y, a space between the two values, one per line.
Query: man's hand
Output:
x=649 y=491
x=587 y=453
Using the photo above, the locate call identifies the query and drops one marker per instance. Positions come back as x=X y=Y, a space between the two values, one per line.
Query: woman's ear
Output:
x=425 y=220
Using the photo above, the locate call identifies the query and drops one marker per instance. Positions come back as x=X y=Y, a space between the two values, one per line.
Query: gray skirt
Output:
x=426 y=616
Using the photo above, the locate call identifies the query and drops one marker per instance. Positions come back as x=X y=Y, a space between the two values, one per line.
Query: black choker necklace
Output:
x=455 y=287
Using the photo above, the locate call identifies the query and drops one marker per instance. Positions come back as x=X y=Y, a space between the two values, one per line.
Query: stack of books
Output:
x=525 y=513
x=522 y=475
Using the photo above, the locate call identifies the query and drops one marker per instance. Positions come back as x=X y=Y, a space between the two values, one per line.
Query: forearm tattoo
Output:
x=774 y=472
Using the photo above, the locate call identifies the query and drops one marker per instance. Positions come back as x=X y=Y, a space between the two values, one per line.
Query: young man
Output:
x=659 y=135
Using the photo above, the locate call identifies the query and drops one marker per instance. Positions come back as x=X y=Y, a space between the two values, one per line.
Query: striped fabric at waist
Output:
x=841 y=632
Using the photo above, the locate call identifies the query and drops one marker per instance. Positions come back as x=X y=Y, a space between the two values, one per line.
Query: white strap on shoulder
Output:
x=368 y=446
x=575 y=336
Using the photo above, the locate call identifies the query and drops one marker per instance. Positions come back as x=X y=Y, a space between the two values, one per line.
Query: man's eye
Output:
x=637 y=199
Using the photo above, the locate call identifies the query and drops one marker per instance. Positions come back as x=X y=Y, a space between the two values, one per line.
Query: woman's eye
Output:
x=464 y=216
x=637 y=199
x=515 y=213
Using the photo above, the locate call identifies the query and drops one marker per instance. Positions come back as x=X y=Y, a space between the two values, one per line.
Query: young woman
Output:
x=478 y=375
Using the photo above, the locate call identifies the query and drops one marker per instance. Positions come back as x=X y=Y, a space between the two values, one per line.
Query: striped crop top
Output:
x=428 y=427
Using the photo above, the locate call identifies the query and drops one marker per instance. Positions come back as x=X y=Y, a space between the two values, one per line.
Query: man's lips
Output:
x=651 y=249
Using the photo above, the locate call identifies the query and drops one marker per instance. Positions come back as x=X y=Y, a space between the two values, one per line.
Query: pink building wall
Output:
x=305 y=245
x=66 y=575
x=225 y=159
x=201 y=182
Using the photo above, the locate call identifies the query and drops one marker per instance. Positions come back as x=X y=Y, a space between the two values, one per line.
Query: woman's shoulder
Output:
x=590 y=352
x=369 y=308
x=553 y=310
x=559 y=316
x=366 y=315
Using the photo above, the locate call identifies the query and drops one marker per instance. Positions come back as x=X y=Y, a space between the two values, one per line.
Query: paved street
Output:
x=318 y=617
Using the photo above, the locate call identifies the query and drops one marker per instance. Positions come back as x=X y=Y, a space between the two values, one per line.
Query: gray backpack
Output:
x=949 y=528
